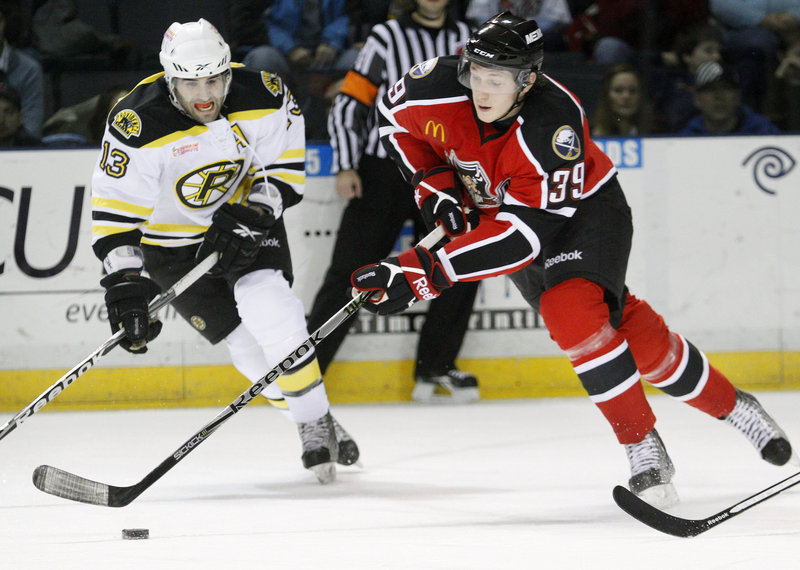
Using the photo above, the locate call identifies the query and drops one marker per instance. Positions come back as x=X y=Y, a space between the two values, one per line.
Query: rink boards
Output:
x=715 y=251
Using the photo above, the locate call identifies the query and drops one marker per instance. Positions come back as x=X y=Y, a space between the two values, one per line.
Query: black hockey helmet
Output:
x=505 y=41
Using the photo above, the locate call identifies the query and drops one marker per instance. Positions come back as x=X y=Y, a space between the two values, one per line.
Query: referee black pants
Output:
x=367 y=233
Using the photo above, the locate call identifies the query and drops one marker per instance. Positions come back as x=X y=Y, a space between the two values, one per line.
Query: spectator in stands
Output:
x=307 y=48
x=674 y=86
x=624 y=109
x=553 y=16
x=12 y=131
x=60 y=34
x=784 y=91
x=309 y=34
x=249 y=31
x=632 y=29
x=21 y=71
x=82 y=124
x=754 y=32
x=718 y=97
x=364 y=14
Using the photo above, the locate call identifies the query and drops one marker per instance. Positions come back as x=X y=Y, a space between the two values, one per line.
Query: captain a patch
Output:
x=566 y=143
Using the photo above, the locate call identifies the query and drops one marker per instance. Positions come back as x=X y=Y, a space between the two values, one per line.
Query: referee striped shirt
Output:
x=390 y=51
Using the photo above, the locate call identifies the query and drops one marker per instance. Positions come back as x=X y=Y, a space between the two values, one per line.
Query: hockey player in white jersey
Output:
x=205 y=157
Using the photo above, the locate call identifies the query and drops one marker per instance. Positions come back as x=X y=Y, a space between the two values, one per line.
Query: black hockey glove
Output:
x=438 y=196
x=236 y=232
x=399 y=282
x=127 y=297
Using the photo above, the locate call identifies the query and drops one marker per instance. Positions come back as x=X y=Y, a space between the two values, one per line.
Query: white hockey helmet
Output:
x=193 y=50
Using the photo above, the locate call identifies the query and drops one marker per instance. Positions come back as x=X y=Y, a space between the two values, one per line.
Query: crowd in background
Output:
x=688 y=67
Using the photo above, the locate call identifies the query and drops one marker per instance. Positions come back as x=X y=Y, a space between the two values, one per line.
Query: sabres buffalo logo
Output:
x=566 y=143
x=476 y=181
x=128 y=123
x=423 y=68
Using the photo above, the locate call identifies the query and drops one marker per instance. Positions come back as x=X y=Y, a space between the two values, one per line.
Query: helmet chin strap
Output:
x=173 y=98
x=519 y=100
x=517 y=103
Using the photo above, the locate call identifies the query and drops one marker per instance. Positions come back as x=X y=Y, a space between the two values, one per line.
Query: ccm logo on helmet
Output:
x=483 y=53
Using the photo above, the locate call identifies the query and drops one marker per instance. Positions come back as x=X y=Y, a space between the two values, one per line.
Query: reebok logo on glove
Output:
x=270 y=242
x=401 y=281
x=360 y=278
x=423 y=289
x=245 y=232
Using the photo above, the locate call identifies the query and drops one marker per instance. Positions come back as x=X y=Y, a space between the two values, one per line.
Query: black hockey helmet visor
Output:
x=504 y=43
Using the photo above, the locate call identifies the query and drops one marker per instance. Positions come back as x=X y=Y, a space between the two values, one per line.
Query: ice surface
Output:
x=496 y=485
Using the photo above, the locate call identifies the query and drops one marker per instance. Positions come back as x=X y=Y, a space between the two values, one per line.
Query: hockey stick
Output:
x=76 y=488
x=88 y=363
x=676 y=526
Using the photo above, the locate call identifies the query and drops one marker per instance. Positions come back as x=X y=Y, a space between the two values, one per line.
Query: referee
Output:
x=380 y=200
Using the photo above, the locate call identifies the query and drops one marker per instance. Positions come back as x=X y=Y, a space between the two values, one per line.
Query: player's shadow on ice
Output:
x=350 y=485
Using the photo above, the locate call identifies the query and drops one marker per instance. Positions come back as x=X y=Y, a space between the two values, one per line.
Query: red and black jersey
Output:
x=526 y=177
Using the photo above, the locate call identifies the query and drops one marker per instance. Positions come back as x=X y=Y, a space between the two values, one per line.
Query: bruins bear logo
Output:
x=128 y=123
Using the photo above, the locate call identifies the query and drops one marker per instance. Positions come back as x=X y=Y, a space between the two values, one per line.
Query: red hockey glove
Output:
x=438 y=197
x=415 y=275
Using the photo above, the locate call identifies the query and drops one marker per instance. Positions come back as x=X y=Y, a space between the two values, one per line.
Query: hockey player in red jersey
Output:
x=489 y=131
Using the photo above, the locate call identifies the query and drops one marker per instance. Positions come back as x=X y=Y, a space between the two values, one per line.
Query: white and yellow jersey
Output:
x=161 y=175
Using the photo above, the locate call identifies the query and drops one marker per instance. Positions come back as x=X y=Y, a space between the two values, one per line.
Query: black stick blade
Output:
x=69 y=486
x=658 y=519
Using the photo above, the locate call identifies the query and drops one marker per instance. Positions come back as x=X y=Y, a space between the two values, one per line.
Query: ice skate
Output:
x=320 y=448
x=651 y=471
x=460 y=387
x=750 y=418
x=348 y=450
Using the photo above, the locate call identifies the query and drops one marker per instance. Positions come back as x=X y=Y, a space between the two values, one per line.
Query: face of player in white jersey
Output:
x=202 y=98
x=495 y=92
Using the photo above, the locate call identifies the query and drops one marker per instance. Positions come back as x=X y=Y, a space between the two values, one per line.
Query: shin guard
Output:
x=686 y=375
x=673 y=364
x=578 y=320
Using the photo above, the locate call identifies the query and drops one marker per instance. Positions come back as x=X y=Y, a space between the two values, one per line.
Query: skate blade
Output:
x=356 y=463
x=325 y=472
x=660 y=496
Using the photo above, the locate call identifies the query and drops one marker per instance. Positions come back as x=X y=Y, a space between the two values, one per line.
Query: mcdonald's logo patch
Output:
x=435 y=130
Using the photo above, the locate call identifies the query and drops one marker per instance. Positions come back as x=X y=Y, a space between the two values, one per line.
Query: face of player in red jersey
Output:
x=201 y=98
x=494 y=92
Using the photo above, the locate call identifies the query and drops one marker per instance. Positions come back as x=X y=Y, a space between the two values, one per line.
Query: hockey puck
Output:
x=135 y=533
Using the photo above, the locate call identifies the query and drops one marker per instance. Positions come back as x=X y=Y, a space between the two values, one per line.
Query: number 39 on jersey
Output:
x=567 y=184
